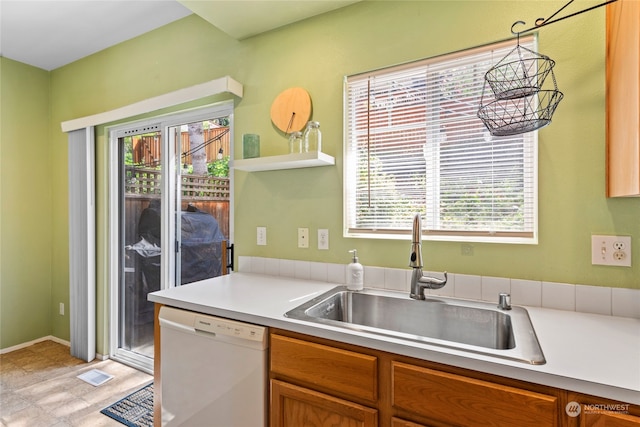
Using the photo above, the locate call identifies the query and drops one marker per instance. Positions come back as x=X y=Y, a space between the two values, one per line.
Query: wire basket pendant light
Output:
x=519 y=101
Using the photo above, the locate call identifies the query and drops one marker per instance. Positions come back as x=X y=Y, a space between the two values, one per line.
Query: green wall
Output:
x=26 y=201
x=370 y=35
x=316 y=54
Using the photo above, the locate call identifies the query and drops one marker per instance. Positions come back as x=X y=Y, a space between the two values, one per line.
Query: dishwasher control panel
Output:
x=226 y=327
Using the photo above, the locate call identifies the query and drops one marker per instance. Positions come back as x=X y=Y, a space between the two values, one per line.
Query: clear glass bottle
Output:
x=295 y=142
x=312 y=137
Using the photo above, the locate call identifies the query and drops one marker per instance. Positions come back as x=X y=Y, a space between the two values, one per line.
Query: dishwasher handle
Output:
x=166 y=323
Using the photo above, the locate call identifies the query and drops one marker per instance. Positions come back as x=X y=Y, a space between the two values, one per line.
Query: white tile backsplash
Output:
x=560 y=296
x=526 y=292
x=319 y=271
x=396 y=279
x=244 y=264
x=494 y=286
x=337 y=273
x=593 y=299
x=468 y=287
x=272 y=266
x=625 y=302
x=258 y=265
x=287 y=268
x=302 y=270
x=374 y=277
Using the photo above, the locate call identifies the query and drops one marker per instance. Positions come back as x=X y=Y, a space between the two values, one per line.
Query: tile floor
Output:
x=39 y=388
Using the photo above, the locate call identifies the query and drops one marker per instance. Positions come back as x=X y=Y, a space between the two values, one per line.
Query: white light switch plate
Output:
x=611 y=250
x=261 y=236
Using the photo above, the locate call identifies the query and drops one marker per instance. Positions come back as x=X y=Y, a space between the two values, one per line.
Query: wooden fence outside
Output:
x=208 y=194
x=134 y=207
x=144 y=182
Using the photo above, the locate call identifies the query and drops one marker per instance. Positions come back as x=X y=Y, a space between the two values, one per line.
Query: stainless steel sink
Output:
x=465 y=325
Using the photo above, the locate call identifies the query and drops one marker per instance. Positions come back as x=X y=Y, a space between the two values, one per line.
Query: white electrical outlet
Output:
x=61 y=309
x=323 y=239
x=611 y=250
x=261 y=237
x=303 y=238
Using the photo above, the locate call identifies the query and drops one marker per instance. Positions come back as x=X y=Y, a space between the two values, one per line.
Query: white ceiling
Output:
x=51 y=33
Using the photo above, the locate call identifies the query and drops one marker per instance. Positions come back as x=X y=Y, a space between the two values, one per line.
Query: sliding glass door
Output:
x=140 y=208
x=201 y=197
x=170 y=217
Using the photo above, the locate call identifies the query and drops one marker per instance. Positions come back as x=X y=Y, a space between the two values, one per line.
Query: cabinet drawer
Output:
x=463 y=401
x=341 y=371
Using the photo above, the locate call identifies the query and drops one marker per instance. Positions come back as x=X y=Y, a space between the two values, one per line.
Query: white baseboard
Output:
x=47 y=338
x=102 y=356
x=29 y=343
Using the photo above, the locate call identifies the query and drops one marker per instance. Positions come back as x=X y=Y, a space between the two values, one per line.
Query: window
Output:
x=414 y=144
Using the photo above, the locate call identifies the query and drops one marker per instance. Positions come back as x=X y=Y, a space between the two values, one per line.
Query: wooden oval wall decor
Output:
x=291 y=110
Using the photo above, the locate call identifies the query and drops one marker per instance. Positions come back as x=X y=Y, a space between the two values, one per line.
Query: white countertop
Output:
x=587 y=353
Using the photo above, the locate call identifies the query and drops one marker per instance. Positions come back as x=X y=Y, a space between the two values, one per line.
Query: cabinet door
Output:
x=623 y=98
x=462 y=401
x=397 y=422
x=608 y=420
x=600 y=412
x=293 y=406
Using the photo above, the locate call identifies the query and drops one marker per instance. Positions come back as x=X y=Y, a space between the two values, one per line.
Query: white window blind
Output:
x=82 y=243
x=414 y=144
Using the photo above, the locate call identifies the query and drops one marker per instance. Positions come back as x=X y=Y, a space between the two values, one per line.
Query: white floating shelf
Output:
x=286 y=161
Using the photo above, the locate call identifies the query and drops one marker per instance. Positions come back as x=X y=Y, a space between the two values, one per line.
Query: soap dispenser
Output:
x=355 y=273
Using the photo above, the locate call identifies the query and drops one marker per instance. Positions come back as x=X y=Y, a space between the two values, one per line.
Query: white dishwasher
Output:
x=213 y=371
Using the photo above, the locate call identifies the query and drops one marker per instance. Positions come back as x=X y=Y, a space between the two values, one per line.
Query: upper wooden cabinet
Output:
x=623 y=98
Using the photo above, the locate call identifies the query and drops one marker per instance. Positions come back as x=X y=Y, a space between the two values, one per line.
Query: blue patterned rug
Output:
x=135 y=410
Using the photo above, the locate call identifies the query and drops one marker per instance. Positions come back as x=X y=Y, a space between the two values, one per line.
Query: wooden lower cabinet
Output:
x=609 y=420
x=397 y=422
x=316 y=382
x=591 y=411
x=325 y=368
x=459 y=400
x=294 y=406
x=321 y=383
